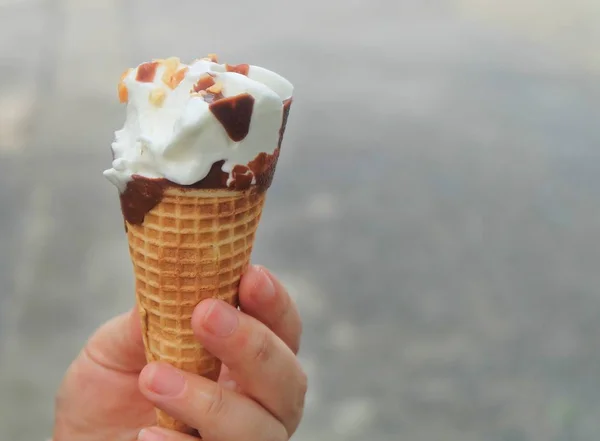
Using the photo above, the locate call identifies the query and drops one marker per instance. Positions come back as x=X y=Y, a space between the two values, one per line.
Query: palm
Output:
x=104 y=398
x=100 y=397
x=102 y=391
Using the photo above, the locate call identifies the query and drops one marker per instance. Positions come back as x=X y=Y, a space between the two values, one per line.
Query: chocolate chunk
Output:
x=234 y=113
x=174 y=80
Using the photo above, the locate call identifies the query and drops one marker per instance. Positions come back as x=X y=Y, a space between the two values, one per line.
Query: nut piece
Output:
x=204 y=82
x=174 y=79
x=215 y=88
x=157 y=96
x=122 y=88
x=213 y=58
x=123 y=93
x=124 y=74
x=171 y=64
x=146 y=72
x=238 y=68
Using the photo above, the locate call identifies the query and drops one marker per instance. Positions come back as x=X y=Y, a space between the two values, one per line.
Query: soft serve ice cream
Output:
x=205 y=125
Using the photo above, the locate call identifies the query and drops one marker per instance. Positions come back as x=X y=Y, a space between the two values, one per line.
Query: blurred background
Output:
x=435 y=212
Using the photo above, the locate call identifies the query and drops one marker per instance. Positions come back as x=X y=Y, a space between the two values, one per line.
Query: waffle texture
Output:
x=194 y=245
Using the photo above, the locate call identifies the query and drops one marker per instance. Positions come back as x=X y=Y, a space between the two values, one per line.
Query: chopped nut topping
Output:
x=124 y=74
x=157 y=96
x=204 y=83
x=146 y=72
x=122 y=88
x=213 y=58
x=215 y=88
x=123 y=93
x=174 y=79
x=171 y=64
x=240 y=68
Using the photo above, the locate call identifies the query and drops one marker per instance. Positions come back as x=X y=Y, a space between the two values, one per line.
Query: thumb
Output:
x=117 y=345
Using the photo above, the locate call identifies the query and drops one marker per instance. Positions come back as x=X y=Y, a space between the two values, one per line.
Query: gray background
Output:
x=435 y=212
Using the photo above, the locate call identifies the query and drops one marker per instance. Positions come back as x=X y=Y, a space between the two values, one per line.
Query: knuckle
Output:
x=262 y=351
x=284 y=311
x=217 y=406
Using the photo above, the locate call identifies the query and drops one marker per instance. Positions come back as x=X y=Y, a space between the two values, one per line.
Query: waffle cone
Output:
x=194 y=245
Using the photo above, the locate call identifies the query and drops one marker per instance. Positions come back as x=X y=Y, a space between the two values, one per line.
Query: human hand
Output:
x=109 y=392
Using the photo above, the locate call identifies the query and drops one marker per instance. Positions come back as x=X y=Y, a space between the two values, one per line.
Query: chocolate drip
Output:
x=263 y=167
x=140 y=196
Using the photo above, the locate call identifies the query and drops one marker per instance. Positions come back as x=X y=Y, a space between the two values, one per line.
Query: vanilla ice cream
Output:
x=185 y=120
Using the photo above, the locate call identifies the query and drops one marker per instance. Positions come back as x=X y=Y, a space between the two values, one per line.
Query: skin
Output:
x=109 y=392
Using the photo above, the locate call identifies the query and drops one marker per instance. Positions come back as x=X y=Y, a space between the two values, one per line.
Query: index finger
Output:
x=263 y=297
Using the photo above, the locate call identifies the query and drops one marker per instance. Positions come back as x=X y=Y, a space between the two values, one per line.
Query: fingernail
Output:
x=152 y=434
x=220 y=319
x=165 y=380
x=265 y=290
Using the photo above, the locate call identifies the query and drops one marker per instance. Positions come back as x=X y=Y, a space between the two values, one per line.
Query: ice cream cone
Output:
x=194 y=245
x=192 y=164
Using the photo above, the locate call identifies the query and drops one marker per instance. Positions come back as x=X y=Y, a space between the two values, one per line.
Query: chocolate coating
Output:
x=142 y=194
x=287 y=104
x=241 y=178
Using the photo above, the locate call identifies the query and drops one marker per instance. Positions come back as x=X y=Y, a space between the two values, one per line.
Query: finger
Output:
x=263 y=366
x=218 y=414
x=263 y=297
x=160 y=434
x=226 y=380
x=118 y=345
